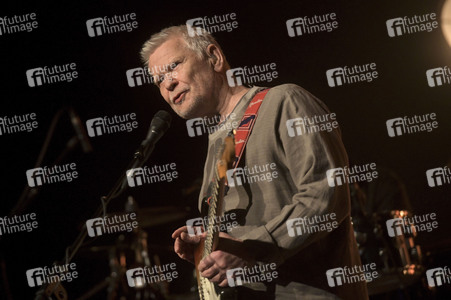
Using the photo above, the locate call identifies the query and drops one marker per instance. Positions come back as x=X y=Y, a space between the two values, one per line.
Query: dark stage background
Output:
x=101 y=89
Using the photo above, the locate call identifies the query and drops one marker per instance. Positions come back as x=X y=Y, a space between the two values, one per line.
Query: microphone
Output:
x=159 y=125
x=80 y=131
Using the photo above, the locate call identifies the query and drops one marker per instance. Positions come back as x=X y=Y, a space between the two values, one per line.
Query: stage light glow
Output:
x=446 y=21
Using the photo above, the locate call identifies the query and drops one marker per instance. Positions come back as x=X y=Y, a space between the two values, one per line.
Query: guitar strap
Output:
x=242 y=133
x=244 y=130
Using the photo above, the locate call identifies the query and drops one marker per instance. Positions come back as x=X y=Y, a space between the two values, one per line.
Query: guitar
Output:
x=207 y=289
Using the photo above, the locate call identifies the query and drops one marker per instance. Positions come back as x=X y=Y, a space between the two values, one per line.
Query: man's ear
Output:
x=216 y=57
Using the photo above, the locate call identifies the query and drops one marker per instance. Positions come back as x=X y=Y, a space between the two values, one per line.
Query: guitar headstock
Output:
x=227 y=156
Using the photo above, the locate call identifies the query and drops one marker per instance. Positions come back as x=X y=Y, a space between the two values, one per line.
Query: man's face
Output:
x=190 y=88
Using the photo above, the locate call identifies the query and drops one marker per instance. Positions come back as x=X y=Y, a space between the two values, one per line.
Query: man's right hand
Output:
x=185 y=244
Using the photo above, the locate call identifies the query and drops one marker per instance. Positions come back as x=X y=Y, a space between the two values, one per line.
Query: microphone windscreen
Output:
x=160 y=123
x=163 y=118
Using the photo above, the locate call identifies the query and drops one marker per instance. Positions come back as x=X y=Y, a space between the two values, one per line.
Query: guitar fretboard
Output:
x=211 y=217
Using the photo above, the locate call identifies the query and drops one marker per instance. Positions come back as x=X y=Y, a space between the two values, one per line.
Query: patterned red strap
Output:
x=244 y=130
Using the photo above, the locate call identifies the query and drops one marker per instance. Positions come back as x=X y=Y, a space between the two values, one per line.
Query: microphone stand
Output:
x=30 y=193
x=140 y=157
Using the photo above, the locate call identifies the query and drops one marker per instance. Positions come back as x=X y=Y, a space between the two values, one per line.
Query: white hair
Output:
x=198 y=41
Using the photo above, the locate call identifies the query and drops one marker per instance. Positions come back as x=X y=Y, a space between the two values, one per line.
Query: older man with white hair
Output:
x=196 y=86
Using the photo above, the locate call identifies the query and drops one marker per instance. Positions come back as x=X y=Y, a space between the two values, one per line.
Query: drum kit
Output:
x=398 y=257
x=132 y=250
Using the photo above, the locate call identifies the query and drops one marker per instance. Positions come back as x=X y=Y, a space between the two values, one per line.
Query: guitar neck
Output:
x=214 y=210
